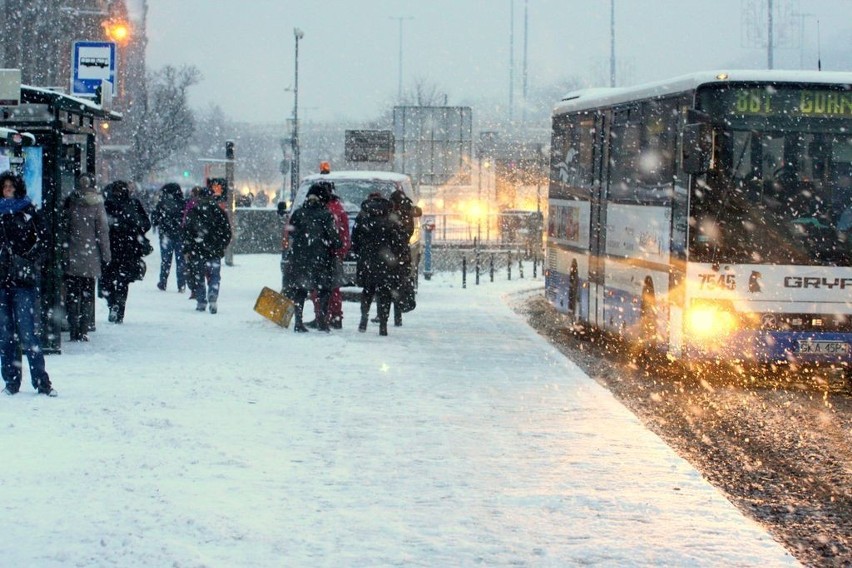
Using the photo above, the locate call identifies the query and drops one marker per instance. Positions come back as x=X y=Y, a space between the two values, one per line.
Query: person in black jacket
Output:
x=168 y=219
x=206 y=233
x=128 y=224
x=313 y=241
x=381 y=246
x=19 y=276
x=403 y=212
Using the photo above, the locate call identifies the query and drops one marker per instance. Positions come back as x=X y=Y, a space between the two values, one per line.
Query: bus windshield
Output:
x=780 y=191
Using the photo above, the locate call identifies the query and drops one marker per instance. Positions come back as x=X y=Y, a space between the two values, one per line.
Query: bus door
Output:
x=597 y=231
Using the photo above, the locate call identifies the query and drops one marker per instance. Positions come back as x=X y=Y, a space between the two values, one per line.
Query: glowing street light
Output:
x=117 y=31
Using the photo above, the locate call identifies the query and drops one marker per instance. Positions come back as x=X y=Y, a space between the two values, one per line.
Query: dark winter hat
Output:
x=172 y=190
x=118 y=190
x=321 y=191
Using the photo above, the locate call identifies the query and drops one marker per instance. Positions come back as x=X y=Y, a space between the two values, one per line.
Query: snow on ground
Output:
x=188 y=439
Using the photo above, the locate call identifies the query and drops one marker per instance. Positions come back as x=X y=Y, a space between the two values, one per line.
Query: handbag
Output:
x=144 y=247
x=406 y=296
x=141 y=269
x=16 y=270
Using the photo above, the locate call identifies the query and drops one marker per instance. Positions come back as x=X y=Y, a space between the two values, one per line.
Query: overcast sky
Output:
x=349 y=56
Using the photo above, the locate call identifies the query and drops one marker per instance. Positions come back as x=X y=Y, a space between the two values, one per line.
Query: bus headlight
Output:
x=708 y=321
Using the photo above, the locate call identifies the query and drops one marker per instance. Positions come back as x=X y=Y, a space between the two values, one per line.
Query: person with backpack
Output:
x=168 y=219
x=206 y=234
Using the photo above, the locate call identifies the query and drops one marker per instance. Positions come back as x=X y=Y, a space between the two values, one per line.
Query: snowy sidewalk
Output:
x=461 y=439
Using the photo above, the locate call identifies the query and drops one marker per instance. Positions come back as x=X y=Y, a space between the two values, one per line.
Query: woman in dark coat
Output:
x=403 y=212
x=313 y=240
x=381 y=247
x=128 y=224
x=168 y=218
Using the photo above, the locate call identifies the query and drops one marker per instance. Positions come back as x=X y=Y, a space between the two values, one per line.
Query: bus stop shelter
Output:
x=57 y=146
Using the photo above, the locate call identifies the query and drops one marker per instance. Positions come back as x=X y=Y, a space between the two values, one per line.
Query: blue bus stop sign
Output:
x=93 y=62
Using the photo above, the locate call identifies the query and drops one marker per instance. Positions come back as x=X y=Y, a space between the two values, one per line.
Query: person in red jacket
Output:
x=341 y=224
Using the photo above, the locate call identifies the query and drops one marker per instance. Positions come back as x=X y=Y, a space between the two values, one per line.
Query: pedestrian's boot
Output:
x=362 y=326
x=322 y=322
x=397 y=315
x=383 y=327
x=298 y=326
x=74 y=320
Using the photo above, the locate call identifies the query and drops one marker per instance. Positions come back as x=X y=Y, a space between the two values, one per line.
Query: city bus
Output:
x=708 y=217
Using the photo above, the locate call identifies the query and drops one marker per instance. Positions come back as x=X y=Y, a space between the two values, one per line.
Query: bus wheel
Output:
x=648 y=316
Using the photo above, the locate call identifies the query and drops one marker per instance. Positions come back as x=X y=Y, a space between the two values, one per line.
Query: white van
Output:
x=353 y=187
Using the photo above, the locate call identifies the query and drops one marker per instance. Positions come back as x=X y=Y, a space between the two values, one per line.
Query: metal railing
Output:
x=501 y=231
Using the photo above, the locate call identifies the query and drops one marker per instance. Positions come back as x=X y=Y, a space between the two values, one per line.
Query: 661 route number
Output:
x=718 y=281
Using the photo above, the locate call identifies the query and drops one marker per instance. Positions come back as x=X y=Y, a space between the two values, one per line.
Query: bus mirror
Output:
x=697 y=148
x=696 y=116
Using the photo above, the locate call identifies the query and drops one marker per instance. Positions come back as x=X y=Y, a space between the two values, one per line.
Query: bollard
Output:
x=535 y=265
x=476 y=259
x=464 y=272
x=427 y=254
x=509 y=265
x=520 y=266
x=491 y=269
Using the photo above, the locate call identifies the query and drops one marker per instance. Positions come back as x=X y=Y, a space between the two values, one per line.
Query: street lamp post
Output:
x=294 y=166
x=400 y=19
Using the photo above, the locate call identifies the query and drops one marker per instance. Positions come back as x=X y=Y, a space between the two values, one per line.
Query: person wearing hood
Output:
x=206 y=234
x=128 y=224
x=313 y=242
x=19 y=274
x=168 y=218
x=332 y=202
x=86 y=251
x=403 y=212
x=381 y=246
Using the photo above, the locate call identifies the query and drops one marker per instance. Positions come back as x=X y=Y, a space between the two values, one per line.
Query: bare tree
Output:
x=424 y=93
x=165 y=122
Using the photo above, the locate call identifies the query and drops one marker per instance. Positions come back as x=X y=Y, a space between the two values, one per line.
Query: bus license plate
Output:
x=823 y=347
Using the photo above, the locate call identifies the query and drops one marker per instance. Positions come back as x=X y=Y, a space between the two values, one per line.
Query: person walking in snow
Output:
x=168 y=219
x=313 y=242
x=379 y=243
x=128 y=224
x=19 y=278
x=206 y=234
x=87 y=251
